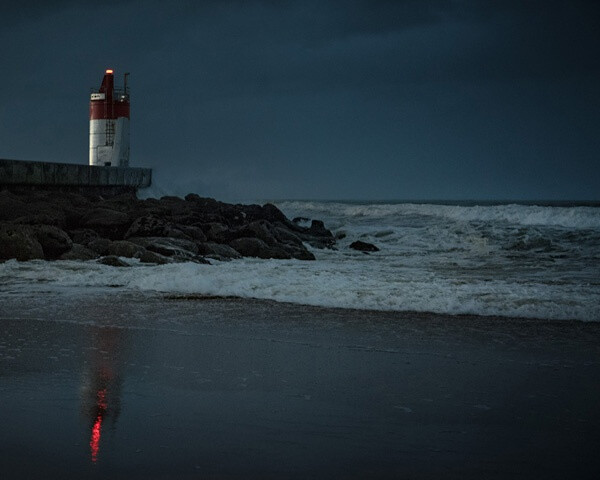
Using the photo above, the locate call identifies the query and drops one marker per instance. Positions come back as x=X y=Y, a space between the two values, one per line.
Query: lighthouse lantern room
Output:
x=109 y=124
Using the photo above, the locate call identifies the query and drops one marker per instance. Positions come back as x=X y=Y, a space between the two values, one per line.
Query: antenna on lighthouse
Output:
x=109 y=123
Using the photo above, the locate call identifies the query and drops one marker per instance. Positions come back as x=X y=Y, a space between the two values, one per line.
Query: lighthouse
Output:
x=109 y=124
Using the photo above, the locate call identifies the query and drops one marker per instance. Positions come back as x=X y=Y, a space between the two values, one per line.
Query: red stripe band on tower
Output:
x=103 y=105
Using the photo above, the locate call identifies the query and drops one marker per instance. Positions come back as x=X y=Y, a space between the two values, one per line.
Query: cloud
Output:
x=315 y=98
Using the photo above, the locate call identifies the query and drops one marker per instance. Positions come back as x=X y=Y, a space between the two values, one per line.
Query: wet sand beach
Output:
x=146 y=386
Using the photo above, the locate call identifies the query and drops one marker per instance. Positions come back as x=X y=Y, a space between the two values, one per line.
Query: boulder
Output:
x=153 y=226
x=260 y=229
x=191 y=232
x=300 y=253
x=195 y=259
x=284 y=235
x=363 y=246
x=167 y=246
x=20 y=242
x=53 y=240
x=105 y=217
x=79 y=252
x=12 y=207
x=255 y=247
x=193 y=197
x=273 y=214
x=100 y=245
x=217 y=232
x=108 y=223
x=317 y=235
x=113 y=261
x=153 y=257
x=147 y=226
x=33 y=210
x=56 y=218
x=218 y=251
x=83 y=236
x=123 y=248
x=317 y=229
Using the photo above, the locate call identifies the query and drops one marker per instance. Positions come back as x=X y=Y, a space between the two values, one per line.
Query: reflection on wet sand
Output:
x=101 y=384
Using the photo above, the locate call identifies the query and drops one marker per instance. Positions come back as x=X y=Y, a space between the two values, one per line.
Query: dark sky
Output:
x=319 y=99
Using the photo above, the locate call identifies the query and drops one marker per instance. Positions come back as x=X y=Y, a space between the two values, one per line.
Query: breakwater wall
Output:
x=72 y=176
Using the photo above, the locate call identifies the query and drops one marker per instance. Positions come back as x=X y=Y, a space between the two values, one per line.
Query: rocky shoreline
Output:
x=54 y=225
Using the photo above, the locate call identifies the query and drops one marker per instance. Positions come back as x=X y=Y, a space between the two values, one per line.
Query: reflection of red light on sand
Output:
x=101 y=401
x=97 y=428
x=95 y=441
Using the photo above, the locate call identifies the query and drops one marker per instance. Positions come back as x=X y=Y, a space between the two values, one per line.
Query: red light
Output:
x=102 y=406
x=109 y=71
x=95 y=440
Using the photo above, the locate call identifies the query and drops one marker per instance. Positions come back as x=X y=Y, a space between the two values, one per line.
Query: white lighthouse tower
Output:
x=109 y=124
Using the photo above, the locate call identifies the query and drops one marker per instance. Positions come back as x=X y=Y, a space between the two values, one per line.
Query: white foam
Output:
x=569 y=217
x=320 y=283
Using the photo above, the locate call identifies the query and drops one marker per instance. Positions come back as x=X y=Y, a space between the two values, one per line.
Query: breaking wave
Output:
x=581 y=217
x=502 y=260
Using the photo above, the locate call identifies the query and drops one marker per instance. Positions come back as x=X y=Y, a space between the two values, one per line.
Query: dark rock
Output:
x=121 y=202
x=79 y=252
x=299 y=253
x=317 y=242
x=273 y=214
x=340 y=235
x=317 y=235
x=55 y=218
x=32 y=211
x=317 y=228
x=194 y=233
x=12 y=207
x=147 y=226
x=170 y=199
x=192 y=197
x=113 y=261
x=255 y=247
x=172 y=226
x=19 y=242
x=217 y=250
x=53 y=240
x=74 y=216
x=123 y=248
x=83 y=236
x=153 y=226
x=283 y=235
x=100 y=245
x=364 y=246
x=153 y=257
x=217 y=232
x=167 y=246
x=108 y=223
x=105 y=217
x=194 y=259
x=260 y=229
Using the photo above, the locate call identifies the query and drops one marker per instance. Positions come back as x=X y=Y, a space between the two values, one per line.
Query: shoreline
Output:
x=236 y=388
x=413 y=314
x=406 y=314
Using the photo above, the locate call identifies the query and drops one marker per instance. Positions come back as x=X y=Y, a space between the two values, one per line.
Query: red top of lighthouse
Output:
x=104 y=105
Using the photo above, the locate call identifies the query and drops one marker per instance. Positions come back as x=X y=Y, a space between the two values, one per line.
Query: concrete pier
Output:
x=71 y=176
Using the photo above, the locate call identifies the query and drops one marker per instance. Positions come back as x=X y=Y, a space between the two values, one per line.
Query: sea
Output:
x=504 y=259
x=355 y=365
